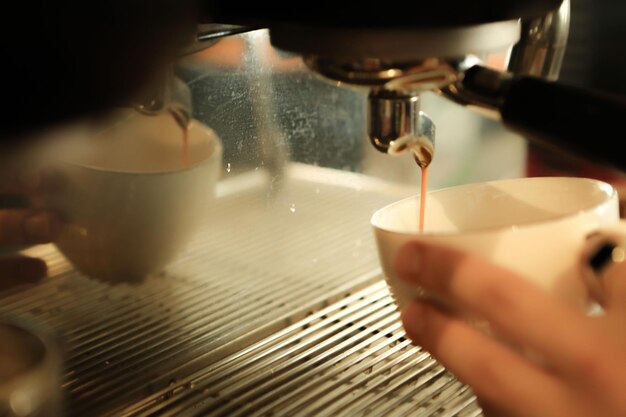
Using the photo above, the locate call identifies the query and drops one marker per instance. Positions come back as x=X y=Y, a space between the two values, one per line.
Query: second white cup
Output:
x=128 y=202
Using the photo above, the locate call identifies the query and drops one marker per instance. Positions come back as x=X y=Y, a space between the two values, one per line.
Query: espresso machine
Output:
x=445 y=50
x=278 y=307
x=393 y=54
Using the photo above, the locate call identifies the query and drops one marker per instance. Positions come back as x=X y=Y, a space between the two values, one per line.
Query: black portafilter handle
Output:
x=585 y=123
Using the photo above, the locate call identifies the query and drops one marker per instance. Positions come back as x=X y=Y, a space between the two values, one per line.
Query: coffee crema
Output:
x=423 y=192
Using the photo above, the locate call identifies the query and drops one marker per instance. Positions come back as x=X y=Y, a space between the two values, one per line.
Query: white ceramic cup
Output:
x=30 y=369
x=128 y=202
x=533 y=226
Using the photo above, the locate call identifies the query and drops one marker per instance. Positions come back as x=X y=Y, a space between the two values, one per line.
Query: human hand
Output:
x=582 y=370
x=23 y=227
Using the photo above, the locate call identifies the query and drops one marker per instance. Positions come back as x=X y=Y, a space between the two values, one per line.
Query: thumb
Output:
x=603 y=264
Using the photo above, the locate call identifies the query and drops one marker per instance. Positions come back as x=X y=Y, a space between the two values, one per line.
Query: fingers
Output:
x=516 y=308
x=12 y=182
x=497 y=375
x=16 y=270
x=27 y=227
x=28 y=181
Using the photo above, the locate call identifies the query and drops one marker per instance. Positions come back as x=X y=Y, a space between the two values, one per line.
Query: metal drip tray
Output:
x=276 y=308
x=348 y=359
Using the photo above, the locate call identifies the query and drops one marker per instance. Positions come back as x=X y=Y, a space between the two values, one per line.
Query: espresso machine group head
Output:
x=398 y=51
x=112 y=53
x=427 y=48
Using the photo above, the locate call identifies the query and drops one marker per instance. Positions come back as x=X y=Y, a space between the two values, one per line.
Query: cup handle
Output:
x=616 y=235
x=13 y=201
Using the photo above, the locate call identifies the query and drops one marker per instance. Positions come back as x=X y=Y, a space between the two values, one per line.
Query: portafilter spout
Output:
x=395 y=67
x=396 y=63
x=397 y=125
x=165 y=94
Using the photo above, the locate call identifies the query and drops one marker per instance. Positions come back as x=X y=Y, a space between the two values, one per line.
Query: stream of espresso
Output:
x=423 y=191
x=186 y=147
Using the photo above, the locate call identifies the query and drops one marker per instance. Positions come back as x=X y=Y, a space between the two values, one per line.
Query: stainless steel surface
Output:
x=396 y=125
x=212 y=31
x=423 y=146
x=538 y=53
x=154 y=99
x=263 y=304
x=411 y=61
x=166 y=93
x=348 y=359
x=542 y=45
x=392 y=116
x=208 y=34
x=241 y=95
x=398 y=44
x=426 y=74
x=272 y=142
x=476 y=99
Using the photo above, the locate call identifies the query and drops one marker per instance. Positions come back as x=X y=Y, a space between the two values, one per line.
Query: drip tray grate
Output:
x=350 y=358
x=275 y=308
